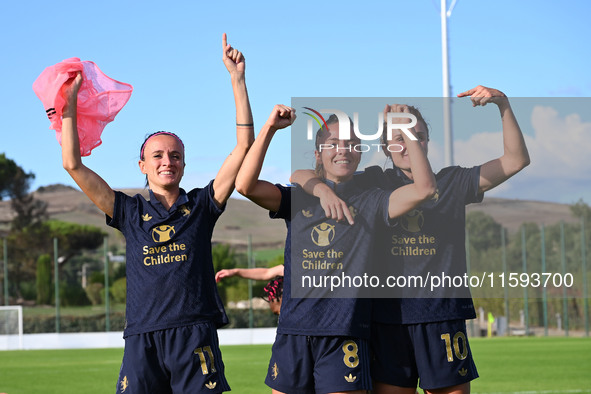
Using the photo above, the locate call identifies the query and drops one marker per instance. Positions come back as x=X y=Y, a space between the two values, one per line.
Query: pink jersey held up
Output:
x=100 y=99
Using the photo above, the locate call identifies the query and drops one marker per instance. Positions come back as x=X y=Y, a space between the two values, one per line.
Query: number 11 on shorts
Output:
x=199 y=351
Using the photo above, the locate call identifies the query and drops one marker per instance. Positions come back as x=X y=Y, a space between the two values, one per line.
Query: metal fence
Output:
x=536 y=282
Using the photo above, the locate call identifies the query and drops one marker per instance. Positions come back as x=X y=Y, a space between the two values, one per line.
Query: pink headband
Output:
x=159 y=133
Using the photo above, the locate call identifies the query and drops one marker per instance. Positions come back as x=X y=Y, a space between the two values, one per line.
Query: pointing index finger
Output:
x=224 y=44
x=467 y=92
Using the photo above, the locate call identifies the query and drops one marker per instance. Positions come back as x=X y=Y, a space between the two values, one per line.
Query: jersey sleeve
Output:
x=118 y=219
x=384 y=210
x=284 y=211
x=469 y=182
x=213 y=207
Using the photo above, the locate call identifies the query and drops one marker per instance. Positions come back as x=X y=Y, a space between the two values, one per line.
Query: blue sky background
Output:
x=171 y=53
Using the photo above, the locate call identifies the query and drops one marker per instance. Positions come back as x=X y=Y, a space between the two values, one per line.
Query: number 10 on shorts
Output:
x=459 y=336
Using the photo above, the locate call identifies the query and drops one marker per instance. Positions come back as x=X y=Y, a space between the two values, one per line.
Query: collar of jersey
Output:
x=181 y=199
x=340 y=188
x=406 y=180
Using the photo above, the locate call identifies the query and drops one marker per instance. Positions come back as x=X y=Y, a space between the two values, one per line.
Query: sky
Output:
x=536 y=52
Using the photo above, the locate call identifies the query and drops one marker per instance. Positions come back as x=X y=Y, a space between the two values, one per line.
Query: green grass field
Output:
x=268 y=254
x=506 y=365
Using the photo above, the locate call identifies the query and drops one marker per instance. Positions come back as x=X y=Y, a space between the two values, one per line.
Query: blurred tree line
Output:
x=30 y=243
x=30 y=239
x=81 y=257
x=559 y=242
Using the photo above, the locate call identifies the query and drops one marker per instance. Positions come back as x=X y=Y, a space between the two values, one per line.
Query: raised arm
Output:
x=223 y=184
x=424 y=186
x=99 y=192
x=251 y=273
x=260 y=192
x=515 y=156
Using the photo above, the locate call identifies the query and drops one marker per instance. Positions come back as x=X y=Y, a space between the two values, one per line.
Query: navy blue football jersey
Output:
x=429 y=240
x=317 y=247
x=170 y=275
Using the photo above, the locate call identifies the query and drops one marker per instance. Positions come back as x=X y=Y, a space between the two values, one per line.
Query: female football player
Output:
x=322 y=343
x=173 y=308
x=418 y=337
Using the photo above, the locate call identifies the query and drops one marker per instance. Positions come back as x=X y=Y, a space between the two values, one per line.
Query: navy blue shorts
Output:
x=303 y=364
x=177 y=360
x=435 y=355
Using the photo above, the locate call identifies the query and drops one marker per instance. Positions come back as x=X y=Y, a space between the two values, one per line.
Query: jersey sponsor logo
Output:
x=124 y=384
x=435 y=197
x=186 y=211
x=164 y=254
x=323 y=234
x=307 y=214
x=417 y=243
x=162 y=233
x=211 y=385
x=146 y=217
x=413 y=221
x=350 y=378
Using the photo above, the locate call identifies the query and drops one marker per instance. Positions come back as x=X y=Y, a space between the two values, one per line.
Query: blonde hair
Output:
x=321 y=135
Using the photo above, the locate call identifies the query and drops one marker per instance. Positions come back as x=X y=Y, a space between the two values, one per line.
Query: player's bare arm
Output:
x=99 y=192
x=261 y=192
x=515 y=156
x=424 y=186
x=223 y=184
x=250 y=273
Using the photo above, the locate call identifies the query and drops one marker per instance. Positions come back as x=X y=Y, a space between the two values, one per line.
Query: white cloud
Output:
x=479 y=149
x=561 y=146
x=559 y=150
